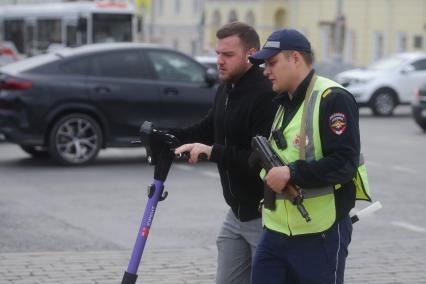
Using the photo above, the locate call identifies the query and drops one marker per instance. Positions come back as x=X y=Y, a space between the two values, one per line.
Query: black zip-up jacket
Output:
x=340 y=146
x=238 y=113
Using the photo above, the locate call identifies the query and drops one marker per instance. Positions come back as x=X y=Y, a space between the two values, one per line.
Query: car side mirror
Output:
x=407 y=69
x=211 y=76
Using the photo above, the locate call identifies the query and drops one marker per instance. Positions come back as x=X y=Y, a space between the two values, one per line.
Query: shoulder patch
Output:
x=337 y=123
x=326 y=93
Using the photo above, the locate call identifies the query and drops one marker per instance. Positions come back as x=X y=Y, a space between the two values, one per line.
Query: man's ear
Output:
x=251 y=51
x=297 y=57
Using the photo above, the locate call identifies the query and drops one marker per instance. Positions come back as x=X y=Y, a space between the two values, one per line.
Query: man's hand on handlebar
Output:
x=196 y=151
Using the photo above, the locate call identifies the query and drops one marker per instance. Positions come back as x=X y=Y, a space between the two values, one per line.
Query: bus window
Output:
x=49 y=31
x=71 y=36
x=14 y=32
x=112 y=28
x=81 y=31
x=29 y=40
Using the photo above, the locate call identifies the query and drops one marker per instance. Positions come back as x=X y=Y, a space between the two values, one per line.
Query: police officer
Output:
x=242 y=109
x=316 y=134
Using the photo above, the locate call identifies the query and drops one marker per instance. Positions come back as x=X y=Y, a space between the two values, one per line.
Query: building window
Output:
x=378 y=45
x=232 y=16
x=250 y=19
x=325 y=43
x=216 y=19
x=177 y=7
x=279 y=21
x=175 y=44
x=401 y=42
x=349 y=47
x=195 y=6
x=160 y=7
x=418 y=41
x=193 y=47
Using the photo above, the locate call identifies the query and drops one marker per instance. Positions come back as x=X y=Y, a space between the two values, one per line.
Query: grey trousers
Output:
x=236 y=244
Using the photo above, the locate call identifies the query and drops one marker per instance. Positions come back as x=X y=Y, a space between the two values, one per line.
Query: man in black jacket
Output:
x=242 y=109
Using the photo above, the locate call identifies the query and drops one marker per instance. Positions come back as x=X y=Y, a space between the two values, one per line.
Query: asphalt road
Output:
x=48 y=208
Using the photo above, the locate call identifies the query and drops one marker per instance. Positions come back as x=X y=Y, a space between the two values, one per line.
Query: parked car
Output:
x=418 y=107
x=8 y=53
x=208 y=61
x=387 y=83
x=72 y=103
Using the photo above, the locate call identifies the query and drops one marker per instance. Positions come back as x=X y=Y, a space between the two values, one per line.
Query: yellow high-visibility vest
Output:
x=319 y=202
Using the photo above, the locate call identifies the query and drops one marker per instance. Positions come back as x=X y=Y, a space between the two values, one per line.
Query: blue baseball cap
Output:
x=285 y=39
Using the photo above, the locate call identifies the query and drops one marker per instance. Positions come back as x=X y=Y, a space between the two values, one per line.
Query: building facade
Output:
x=354 y=31
x=177 y=24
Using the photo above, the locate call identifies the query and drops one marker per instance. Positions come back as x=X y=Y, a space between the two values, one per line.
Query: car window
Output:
x=419 y=65
x=170 y=66
x=386 y=64
x=123 y=64
x=77 y=66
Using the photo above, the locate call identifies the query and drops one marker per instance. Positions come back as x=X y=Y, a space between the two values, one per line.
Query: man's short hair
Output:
x=247 y=34
x=308 y=57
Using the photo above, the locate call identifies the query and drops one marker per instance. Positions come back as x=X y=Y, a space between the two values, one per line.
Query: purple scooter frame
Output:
x=159 y=147
x=156 y=190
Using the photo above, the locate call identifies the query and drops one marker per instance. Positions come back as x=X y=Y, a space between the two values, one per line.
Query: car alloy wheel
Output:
x=75 y=139
x=383 y=103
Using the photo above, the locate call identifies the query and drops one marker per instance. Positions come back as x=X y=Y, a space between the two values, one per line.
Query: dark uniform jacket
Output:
x=239 y=113
x=340 y=149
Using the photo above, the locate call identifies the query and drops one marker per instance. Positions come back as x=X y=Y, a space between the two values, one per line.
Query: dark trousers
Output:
x=310 y=259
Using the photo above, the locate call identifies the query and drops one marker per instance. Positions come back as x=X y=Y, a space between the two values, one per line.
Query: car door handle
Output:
x=102 y=89
x=171 y=91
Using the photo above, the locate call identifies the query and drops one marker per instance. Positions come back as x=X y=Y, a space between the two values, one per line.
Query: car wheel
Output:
x=35 y=151
x=383 y=103
x=75 y=139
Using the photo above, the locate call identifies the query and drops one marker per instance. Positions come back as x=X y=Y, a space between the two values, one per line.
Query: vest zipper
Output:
x=226 y=171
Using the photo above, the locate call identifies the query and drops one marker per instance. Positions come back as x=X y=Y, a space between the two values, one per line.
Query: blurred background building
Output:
x=177 y=24
x=355 y=32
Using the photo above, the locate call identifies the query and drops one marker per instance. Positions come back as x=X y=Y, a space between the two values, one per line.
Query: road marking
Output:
x=184 y=167
x=404 y=169
x=409 y=227
x=212 y=174
x=373 y=164
x=397 y=168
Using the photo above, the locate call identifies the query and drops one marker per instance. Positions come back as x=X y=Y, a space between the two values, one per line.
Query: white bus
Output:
x=35 y=27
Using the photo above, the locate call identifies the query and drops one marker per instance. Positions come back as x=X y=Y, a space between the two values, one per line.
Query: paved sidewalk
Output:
x=162 y=266
x=370 y=261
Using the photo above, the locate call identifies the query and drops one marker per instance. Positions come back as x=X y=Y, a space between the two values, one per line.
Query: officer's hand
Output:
x=194 y=151
x=277 y=178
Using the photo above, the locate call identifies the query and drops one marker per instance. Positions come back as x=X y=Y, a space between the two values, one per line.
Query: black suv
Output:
x=72 y=103
x=418 y=107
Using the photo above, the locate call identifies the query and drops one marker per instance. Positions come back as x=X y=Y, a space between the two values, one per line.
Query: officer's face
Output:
x=232 y=58
x=280 y=69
